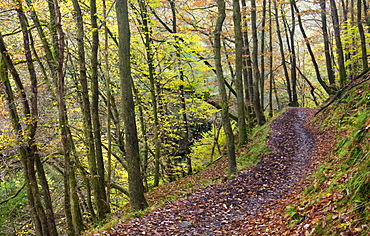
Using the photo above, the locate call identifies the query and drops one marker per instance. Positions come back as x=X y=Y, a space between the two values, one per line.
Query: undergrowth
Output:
x=338 y=200
x=256 y=149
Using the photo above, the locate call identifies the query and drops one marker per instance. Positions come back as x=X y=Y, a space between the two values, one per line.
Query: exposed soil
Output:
x=251 y=203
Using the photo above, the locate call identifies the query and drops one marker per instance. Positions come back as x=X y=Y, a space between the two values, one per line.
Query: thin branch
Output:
x=348 y=86
x=14 y=196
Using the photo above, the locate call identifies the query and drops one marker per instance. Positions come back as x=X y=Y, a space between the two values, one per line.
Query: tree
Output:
x=324 y=85
x=238 y=72
x=262 y=56
x=282 y=53
x=230 y=146
x=152 y=87
x=176 y=84
x=109 y=101
x=328 y=60
x=271 y=58
x=247 y=63
x=256 y=73
x=361 y=31
x=42 y=216
x=98 y=185
x=136 y=187
x=293 y=57
x=73 y=213
x=338 y=43
x=102 y=203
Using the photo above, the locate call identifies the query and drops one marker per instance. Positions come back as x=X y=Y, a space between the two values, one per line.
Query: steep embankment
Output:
x=338 y=200
x=253 y=202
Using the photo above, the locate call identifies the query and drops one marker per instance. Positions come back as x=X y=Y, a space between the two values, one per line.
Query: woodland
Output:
x=105 y=103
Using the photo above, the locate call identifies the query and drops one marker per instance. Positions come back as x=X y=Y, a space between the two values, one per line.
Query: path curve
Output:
x=236 y=206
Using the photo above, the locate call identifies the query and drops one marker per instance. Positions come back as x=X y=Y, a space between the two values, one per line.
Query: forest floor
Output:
x=255 y=200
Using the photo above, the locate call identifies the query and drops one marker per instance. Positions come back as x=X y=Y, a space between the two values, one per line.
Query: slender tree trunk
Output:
x=5 y=63
x=153 y=91
x=256 y=73
x=247 y=66
x=136 y=188
x=239 y=72
x=262 y=56
x=143 y=129
x=222 y=89
x=53 y=68
x=293 y=59
x=53 y=32
x=64 y=133
x=271 y=58
x=37 y=221
x=329 y=66
x=86 y=108
x=46 y=46
x=146 y=149
x=349 y=48
x=366 y=15
x=282 y=53
x=361 y=31
x=72 y=208
x=34 y=158
x=338 y=42
x=109 y=99
x=103 y=206
x=43 y=219
x=327 y=89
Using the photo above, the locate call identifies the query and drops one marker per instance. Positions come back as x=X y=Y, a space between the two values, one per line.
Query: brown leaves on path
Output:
x=253 y=201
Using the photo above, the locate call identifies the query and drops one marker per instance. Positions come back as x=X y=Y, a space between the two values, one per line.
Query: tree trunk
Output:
x=72 y=208
x=109 y=106
x=361 y=31
x=262 y=56
x=238 y=72
x=34 y=158
x=222 y=89
x=271 y=58
x=136 y=188
x=65 y=145
x=247 y=66
x=53 y=67
x=86 y=110
x=282 y=53
x=327 y=89
x=293 y=59
x=329 y=66
x=102 y=204
x=366 y=15
x=43 y=219
x=153 y=91
x=338 y=43
x=256 y=73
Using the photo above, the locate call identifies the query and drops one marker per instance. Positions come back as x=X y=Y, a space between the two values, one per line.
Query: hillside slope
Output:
x=315 y=181
x=337 y=201
x=253 y=201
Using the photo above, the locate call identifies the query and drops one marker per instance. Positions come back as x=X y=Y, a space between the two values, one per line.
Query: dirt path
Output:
x=249 y=204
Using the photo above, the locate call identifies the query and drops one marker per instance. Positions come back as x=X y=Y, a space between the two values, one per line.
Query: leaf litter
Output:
x=253 y=202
